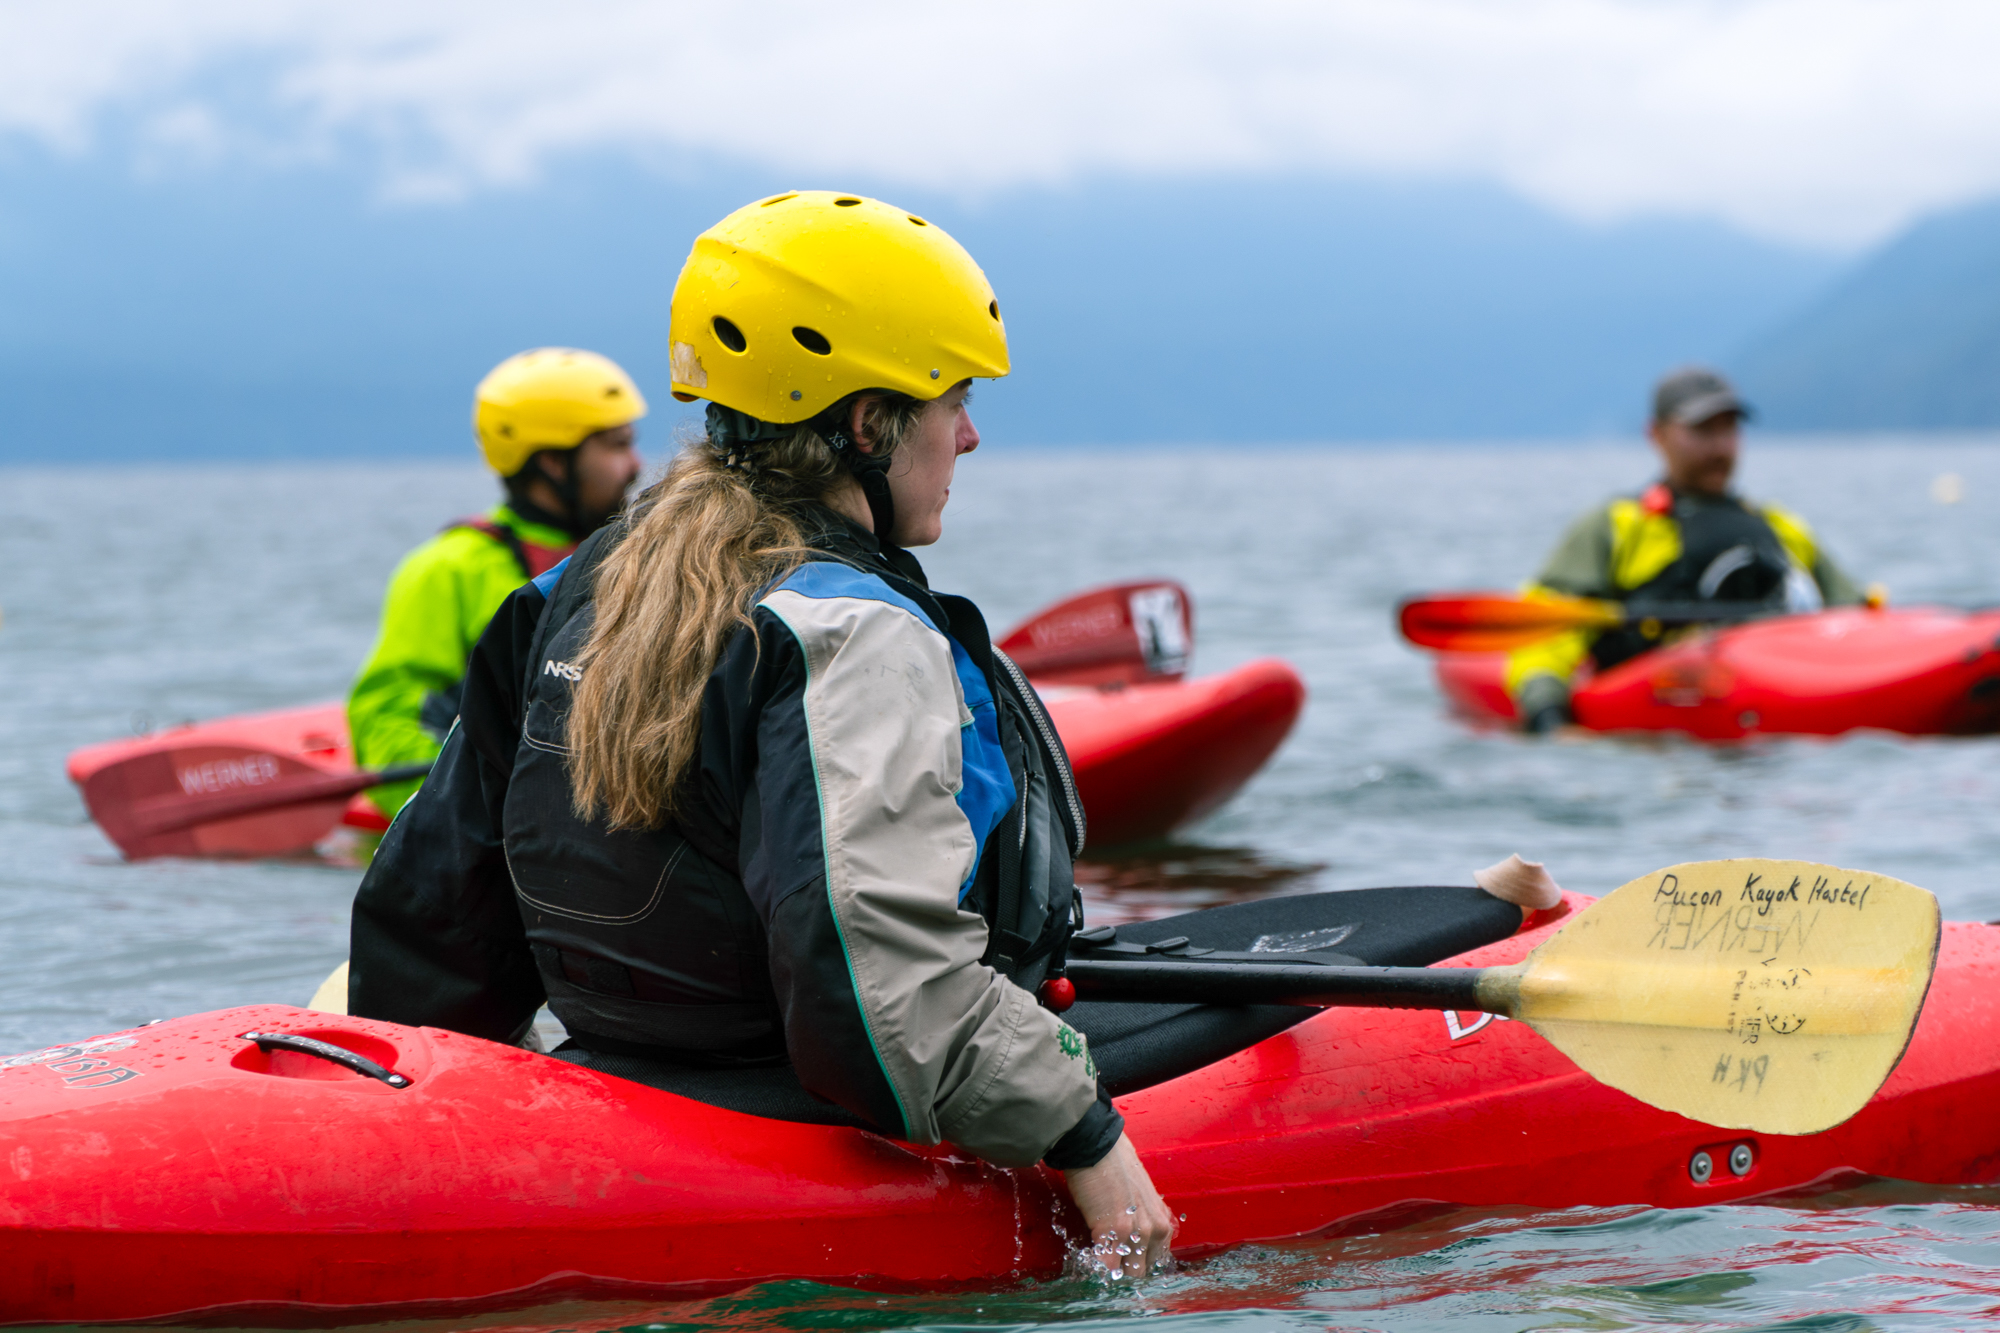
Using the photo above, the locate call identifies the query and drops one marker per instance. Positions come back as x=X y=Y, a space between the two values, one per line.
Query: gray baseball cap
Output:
x=1693 y=395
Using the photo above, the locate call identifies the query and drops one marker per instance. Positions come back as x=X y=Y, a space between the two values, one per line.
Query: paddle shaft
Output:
x=174 y=813
x=1195 y=982
x=1699 y=613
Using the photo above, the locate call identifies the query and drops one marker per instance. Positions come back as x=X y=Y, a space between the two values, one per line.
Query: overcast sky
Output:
x=1829 y=122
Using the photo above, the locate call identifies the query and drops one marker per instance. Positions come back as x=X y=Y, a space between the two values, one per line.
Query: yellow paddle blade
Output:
x=331 y=997
x=1495 y=622
x=1766 y=995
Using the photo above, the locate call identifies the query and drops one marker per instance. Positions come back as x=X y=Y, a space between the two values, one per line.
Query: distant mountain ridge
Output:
x=285 y=313
x=1908 y=339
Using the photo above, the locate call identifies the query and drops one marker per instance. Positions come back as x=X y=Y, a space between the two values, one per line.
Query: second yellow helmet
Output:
x=550 y=398
x=794 y=302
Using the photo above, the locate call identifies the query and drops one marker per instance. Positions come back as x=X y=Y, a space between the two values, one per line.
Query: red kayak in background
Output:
x=1922 y=671
x=224 y=1166
x=228 y=756
x=1155 y=757
x=1152 y=751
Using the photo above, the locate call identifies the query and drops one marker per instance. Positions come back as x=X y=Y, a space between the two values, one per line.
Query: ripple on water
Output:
x=1852 y=1260
x=1881 y=1255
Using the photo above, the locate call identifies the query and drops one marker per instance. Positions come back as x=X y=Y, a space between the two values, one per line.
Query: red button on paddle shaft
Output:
x=1058 y=994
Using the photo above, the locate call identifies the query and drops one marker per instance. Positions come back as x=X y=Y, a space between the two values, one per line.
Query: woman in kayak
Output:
x=733 y=790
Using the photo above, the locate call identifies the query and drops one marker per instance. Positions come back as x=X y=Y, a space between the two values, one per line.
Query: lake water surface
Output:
x=138 y=598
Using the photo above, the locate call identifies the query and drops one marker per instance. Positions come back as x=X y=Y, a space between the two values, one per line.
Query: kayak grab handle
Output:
x=325 y=1050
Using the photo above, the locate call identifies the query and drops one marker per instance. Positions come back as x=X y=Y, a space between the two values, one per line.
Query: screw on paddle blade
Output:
x=1774 y=996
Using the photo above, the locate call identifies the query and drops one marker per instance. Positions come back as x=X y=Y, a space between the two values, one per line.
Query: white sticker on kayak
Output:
x=55 y=1054
x=1161 y=625
x=1458 y=1029
x=79 y=1064
x=1302 y=941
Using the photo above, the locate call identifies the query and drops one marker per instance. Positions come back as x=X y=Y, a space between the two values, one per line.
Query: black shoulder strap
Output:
x=575 y=587
x=501 y=533
x=1070 y=807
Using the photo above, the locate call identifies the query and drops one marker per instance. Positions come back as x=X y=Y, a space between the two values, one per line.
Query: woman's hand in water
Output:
x=1124 y=1212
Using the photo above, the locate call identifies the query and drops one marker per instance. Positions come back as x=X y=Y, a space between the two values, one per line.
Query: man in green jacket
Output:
x=557 y=425
x=1687 y=538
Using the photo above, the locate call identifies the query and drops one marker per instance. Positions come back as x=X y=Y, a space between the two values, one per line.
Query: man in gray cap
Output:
x=1686 y=538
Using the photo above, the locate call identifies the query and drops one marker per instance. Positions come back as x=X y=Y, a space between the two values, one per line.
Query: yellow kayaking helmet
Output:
x=550 y=398
x=789 y=305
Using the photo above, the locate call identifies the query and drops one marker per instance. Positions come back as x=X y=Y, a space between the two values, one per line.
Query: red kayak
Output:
x=226 y=756
x=1155 y=757
x=1152 y=752
x=183 y=1169
x=1919 y=670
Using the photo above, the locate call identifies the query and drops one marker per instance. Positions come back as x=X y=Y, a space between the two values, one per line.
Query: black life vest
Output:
x=648 y=939
x=1729 y=554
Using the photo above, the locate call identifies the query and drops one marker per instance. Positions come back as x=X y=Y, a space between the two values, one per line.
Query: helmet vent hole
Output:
x=729 y=335
x=919 y=221
x=778 y=199
x=845 y=203
x=813 y=341
x=993 y=309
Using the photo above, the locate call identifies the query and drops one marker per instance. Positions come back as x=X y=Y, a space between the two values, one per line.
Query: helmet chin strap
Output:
x=562 y=478
x=881 y=504
x=570 y=487
x=871 y=472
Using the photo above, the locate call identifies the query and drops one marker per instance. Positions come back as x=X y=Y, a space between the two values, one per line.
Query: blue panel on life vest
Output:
x=545 y=583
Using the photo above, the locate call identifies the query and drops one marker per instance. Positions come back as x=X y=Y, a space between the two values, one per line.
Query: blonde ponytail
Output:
x=700 y=546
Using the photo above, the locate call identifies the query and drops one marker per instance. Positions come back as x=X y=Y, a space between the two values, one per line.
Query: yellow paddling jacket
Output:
x=1657 y=545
